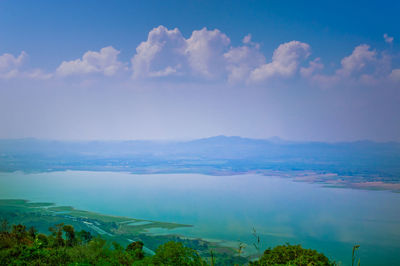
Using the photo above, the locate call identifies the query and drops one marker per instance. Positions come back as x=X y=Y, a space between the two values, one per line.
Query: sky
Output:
x=114 y=70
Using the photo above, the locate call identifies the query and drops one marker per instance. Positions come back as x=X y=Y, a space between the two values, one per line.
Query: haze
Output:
x=187 y=70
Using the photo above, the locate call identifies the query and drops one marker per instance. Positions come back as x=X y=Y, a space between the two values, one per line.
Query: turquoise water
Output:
x=331 y=220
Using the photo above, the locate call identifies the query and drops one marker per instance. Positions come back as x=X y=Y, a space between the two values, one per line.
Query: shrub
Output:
x=292 y=255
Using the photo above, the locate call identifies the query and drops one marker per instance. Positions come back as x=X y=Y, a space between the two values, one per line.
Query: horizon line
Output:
x=270 y=139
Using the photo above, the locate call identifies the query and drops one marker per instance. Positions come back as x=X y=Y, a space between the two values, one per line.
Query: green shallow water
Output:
x=331 y=220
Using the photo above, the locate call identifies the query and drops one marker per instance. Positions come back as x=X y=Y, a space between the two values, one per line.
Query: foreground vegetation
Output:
x=121 y=230
x=20 y=245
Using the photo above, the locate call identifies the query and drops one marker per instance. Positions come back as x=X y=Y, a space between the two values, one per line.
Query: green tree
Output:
x=136 y=250
x=32 y=232
x=42 y=239
x=57 y=234
x=18 y=248
x=20 y=234
x=85 y=236
x=5 y=227
x=70 y=235
x=292 y=255
x=174 y=253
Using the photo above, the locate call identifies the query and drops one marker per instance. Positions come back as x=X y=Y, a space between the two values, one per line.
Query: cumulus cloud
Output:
x=241 y=61
x=10 y=65
x=314 y=66
x=208 y=54
x=167 y=52
x=359 y=59
x=395 y=75
x=285 y=61
x=388 y=39
x=37 y=74
x=104 y=62
x=162 y=54
x=205 y=49
x=362 y=64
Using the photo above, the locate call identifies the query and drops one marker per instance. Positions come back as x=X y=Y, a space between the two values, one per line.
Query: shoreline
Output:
x=110 y=227
x=327 y=179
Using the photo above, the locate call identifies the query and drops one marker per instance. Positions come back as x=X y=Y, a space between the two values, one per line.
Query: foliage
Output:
x=22 y=246
x=173 y=253
x=135 y=249
x=292 y=255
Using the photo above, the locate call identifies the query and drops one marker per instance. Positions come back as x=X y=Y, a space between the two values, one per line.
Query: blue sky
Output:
x=189 y=69
x=75 y=27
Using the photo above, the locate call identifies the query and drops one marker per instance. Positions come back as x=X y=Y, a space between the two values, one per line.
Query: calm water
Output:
x=331 y=220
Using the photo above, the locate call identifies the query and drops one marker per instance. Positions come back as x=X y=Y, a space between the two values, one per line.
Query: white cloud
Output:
x=168 y=71
x=285 y=61
x=10 y=65
x=325 y=81
x=241 y=61
x=395 y=75
x=205 y=49
x=37 y=74
x=167 y=52
x=247 y=39
x=208 y=54
x=162 y=54
x=359 y=58
x=388 y=39
x=361 y=65
x=11 y=68
x=104 y=62
x=313 y=67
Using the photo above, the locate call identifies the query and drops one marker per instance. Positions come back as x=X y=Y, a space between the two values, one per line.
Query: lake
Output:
x=330 y=220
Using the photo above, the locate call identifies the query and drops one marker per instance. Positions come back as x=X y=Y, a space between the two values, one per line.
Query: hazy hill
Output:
x=208 y=155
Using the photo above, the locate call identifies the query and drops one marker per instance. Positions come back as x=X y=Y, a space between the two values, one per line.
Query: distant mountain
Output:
x=214 y=154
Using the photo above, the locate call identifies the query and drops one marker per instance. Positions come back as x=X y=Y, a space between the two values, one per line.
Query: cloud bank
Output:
x=208 y=55
x=105 y=62
x=285 y=61
x=10 y=65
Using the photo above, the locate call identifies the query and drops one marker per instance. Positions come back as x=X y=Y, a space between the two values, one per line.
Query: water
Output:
x=330 y=220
